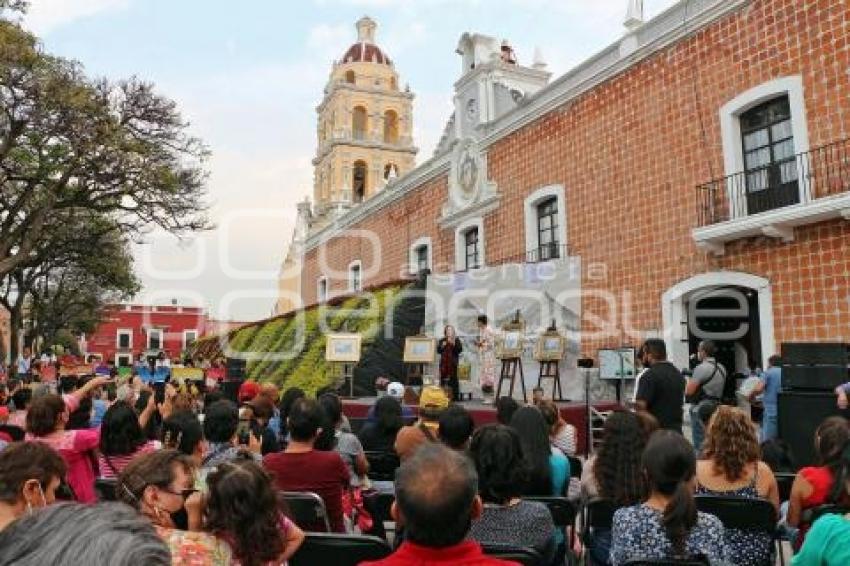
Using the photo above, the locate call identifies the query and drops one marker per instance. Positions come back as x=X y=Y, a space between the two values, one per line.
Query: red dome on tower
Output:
x=365 y=50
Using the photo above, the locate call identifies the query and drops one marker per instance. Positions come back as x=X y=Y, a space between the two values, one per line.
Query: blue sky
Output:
x=248 y=76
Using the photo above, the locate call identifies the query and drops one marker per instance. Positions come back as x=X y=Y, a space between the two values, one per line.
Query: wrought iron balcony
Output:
x=546 y=252
x=805 y=178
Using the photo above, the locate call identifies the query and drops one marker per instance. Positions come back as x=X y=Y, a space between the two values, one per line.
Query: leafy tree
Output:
x=69 y=143
x=84 y=264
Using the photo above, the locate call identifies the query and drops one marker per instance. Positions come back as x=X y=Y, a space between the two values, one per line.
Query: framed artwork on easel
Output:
x=511 y=343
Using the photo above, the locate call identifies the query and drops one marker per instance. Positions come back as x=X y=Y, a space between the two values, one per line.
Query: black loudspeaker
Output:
x=815 y=354
x=230 y=390
x=800 y=414
x=819 y=366
x=817 y=378
x=235 y=368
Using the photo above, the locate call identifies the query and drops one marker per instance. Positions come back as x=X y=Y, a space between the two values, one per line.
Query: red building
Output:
x=128 y=330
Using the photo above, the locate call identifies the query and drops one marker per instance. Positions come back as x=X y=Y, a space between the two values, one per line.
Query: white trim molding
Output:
x=778 y=223
x=118 y=333
x=352 y=288
x=119 y=355
x=532 y=201
x=460 y=243
x=673 y=305
x=321 y=295
x=411 y=254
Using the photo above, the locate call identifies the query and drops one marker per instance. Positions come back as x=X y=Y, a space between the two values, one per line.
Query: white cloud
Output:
x=44 y=16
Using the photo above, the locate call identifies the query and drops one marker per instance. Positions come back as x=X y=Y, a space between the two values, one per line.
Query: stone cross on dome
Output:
x=634 y=15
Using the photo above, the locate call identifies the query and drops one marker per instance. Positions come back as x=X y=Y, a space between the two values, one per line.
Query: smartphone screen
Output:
x=243 y=431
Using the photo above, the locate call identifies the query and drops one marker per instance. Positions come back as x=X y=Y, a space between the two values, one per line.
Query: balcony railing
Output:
x=816 y=174
x=546 y=253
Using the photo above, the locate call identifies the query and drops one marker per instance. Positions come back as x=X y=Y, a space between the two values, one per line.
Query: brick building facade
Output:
x=129 y=330
x=704 y=150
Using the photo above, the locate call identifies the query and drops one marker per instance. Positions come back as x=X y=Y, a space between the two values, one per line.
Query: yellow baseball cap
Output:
x=433 y=396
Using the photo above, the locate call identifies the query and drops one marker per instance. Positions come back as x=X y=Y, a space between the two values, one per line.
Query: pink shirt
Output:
x=75 y=447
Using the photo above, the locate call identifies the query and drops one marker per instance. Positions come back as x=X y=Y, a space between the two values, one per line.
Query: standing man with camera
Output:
x=704 y=390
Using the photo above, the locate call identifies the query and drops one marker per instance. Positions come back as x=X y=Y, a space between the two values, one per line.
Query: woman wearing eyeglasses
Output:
x=159 y=485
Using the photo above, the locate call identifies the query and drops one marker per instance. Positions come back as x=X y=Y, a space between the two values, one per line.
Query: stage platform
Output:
x=572 y=412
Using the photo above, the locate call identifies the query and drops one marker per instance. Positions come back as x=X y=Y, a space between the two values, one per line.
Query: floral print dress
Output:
x=638 y=534
x=191 y=548
x=487 y=358
x=745 y=548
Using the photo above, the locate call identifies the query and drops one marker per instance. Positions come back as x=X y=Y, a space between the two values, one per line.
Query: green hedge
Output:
x=267 y=342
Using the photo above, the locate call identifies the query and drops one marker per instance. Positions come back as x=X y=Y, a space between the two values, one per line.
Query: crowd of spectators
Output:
x=197 y=478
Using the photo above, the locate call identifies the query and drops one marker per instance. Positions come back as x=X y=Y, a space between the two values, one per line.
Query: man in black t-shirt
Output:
x=661 y=391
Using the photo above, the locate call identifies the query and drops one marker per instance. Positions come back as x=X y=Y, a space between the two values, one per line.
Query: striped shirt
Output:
x=112 y=465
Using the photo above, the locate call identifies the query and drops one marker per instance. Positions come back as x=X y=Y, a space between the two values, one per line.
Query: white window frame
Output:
x=321 y=297
x=118 y=359
x=460 y=243
x=359 y=265
x=534 y=200
x=161 y=338
x=412 y=258
x=187 y=332
x=118 y=333
x=730 y=123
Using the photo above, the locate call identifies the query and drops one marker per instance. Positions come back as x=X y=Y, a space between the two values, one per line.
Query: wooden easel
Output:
x=550 y=369
x=344 y=371
x=510 y=366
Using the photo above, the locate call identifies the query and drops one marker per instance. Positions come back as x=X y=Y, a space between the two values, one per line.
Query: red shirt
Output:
x=467 y=553
x=323 y=473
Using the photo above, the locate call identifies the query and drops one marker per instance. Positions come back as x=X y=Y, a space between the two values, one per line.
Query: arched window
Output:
x=359 y=185
x=358 y=123
x=350 y=78
x=390 y=127
x=393 y=83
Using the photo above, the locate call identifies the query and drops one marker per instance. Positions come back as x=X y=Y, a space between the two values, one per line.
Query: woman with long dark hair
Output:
x=379 y=434
x=242 y=509
x=615 y=472
x=502 y=475
x=667 y=524
x=549 y=469
x=121 y=439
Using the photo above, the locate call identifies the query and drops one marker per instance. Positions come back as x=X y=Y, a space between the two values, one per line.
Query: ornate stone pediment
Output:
x=469 y=188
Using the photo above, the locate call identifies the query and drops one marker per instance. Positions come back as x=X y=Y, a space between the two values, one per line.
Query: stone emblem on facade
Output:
x=467 y=174
x=468 y=184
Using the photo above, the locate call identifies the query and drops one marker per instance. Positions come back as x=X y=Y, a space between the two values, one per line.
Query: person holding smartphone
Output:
x=226 y=434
